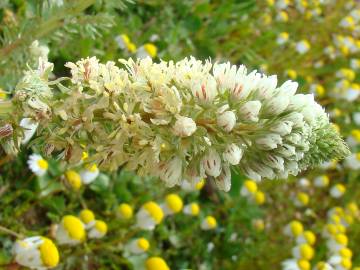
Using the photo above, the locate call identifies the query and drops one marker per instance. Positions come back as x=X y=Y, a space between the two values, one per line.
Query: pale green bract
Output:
x=176 y=120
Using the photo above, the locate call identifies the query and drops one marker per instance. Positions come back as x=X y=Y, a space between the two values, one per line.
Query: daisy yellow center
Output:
x=331 y=229
x=304 y=265
x=174 y=202
x=296 y=228
x=325 y=180
x=73 y=179
x=156 y=263
x=49 y=253
x=43 y=164
x=74 y=227
x=345 y=252
x=340 y=228
x=341 y=239
x=346 y=263
x=199 y=185
x=211 y=221
x=310 y=237
x=358 y=156
x=353 y=208
x=131 y=47
x=125 y=210
x=150 y=49
x=251 y=186
x=154 y=211
x=195 y=209
x=84 y=155
x=259 y=197
x=87 y=216
x=341 y=188
x=125 y=38
x=101 y=226
x=306 y=252
x=303 y=198
x=143 y=244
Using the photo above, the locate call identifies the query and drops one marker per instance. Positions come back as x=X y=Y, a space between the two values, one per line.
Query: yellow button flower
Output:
x=87 y=216
x=259 y=197
x=49 y=253
x=173 y=204
x=74 y=179
x=125 y=211
x=209 y=223
x=156 y=263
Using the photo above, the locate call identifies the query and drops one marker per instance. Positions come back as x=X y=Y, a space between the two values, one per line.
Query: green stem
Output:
x=8 y=231
x=47 y=26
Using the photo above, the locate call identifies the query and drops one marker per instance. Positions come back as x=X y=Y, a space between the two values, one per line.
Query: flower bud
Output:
x=212 y=163
x=223 y=181
x=226 y=120
x=269 y=142
x=250 y=111
x=233 y=154
x=184 y=126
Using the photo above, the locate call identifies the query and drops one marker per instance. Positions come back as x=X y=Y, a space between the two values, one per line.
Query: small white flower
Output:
x=191 y=209
x=353 y=161
x=89 y=173
x=302 y=46
x=149 y=215
x=233 y=154
x=226 y=120
x=337 y=191
x=208 y=223
x=212 y=163
x=282 y=38
x=321 y=181
x=36 y=252
x=138 y=246
x=98 y=230
x=184 y=126
x=37 y=164
x=70 y=231
x=173 y=204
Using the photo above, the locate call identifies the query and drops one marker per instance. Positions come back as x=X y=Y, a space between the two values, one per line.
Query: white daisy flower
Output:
x=36 y=252
x=138 y=246
x=70 y=231
x=192 y=209
x=87 y=217
x=337 y=190
x=353 y=161
x=173 y=204
x=98 y=230
x=89 y=174
x=147 y=50
x=302 y=46
x=149 y=215
x=37 y=164
x=208 y=223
